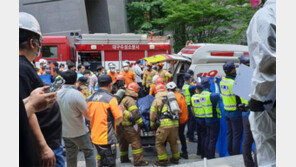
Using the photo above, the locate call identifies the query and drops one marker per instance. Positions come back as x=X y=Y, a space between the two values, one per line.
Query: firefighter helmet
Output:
x=134 y=87
x=159 y=80
x=120 y=77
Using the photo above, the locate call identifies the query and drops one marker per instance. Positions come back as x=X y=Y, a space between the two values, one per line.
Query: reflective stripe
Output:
x=153 y=109
x=166 y=122
x=98 y=157
x=162 y=157
x=164 y=109
x=126 y=123
x=177 y=155
x=197 y=106
x=126 y=114
x=123 y=153
x=131 y=108
x=139 y=121
x=228 y=106
x=229 y=95
x=227 y=81
x=138 y=151
x=149 y=77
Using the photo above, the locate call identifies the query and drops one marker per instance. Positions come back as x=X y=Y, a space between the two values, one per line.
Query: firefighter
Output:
x=126 y=132
x=199 y=114
x=166 y=128
x=189 y=90
x=171 y=86
x=156 y=80
x=112 y=72
x=128 y=74
x=233 y=116
x=81 y=85
x=163 y=73
x=210 y=104
x=148 y=76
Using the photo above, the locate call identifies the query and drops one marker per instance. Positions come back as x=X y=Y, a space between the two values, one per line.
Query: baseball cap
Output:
x=104 y=79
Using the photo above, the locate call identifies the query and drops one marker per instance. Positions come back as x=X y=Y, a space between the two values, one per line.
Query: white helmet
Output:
x=112 y=65
x=124 y=64
x=170 y=85
x=42 y=61
x=154 y=78
x=29 y=23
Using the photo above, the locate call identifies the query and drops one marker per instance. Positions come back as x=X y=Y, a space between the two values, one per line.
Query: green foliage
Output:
x=203 y=21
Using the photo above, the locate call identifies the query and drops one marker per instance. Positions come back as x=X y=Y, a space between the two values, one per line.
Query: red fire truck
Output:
x=101 y=48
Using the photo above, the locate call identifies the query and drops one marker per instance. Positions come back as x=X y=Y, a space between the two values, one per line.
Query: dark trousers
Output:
x=213 y=129
x=107 y=155
x=234 y=134
x=247 y=145
x=191 y=125
x=201 y=136
x=182 y=138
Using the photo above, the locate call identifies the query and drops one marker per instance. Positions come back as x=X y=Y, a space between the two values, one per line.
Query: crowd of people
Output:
x=95 y=110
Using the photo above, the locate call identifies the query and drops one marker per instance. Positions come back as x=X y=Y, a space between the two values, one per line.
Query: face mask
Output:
x=255 y=3
x=147 y=68
x=39 y=49
x=112 y=70
x=125 y=68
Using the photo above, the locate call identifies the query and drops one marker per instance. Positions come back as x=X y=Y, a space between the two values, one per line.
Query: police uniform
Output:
x=167 y=130
x=126 y=132
x=199 y=114
x=232 y=115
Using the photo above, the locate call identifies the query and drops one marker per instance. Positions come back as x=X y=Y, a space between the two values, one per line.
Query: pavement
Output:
x=193 y=161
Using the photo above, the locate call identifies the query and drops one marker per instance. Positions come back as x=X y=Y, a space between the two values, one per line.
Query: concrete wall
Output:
x=57 y=17
x=117 y=16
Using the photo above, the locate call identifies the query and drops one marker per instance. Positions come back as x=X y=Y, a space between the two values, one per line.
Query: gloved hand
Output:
x=257 y=106
x=243 y=108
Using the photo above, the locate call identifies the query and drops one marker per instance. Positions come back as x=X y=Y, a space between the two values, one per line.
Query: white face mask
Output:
x=125 y=68
x=112 y=70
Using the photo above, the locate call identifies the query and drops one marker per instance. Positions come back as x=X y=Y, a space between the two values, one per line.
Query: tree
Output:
x=203 y=21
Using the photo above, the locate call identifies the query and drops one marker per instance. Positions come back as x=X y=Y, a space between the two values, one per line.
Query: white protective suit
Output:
x=261 y=36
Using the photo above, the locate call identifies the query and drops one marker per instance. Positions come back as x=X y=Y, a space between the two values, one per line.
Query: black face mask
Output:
x=232 y=74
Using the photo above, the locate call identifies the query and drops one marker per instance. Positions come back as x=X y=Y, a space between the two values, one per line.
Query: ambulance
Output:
x=205 y=59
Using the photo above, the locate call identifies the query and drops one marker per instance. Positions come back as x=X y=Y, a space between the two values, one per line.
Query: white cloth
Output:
x=138 y=73
x=72 y=103
x=261 y=36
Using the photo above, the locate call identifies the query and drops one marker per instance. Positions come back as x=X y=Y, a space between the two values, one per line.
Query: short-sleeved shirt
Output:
x=103 y=111
x=72 y=104
x=50 y=119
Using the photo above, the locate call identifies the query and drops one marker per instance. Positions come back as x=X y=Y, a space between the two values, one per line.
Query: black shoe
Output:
x=174 y=161
x=185 y=156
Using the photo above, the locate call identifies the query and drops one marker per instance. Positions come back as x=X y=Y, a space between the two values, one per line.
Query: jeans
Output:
x=213 y=129
x=182 y=138
x=201 y=136
x=84 y=143
x=191 y=124
x=59 y=156
x=234 y=134
x=247 y=145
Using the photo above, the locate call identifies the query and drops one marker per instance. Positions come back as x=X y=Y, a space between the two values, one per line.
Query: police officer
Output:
x=189 y=90
x=248 y=137
x=199 y=113
x=210 y=104
x=171 y=86
x=164 y=74
x=126 y=132
x=167 y=129
x=148 y=76
x=232 y=115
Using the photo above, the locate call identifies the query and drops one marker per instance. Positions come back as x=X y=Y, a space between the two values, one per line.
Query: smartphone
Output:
x=58 y=83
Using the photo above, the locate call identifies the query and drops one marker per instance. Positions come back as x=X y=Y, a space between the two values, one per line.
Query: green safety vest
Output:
x=229 y=99
x=207 y=104
x=244 y=101
x=198 y=110
x=186 y=93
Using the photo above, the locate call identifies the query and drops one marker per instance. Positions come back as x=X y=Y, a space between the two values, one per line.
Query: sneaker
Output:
x=185 y=156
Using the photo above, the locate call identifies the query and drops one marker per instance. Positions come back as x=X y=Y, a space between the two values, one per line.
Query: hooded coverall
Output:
x=167 y=130
x=126 y=132
x=261 y=37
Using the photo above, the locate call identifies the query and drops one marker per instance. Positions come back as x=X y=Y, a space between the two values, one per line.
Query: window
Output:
x=49 y=51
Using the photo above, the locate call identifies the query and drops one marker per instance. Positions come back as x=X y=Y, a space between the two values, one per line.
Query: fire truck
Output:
x=101 y=49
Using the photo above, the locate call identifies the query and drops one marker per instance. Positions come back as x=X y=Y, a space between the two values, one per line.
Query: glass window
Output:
x=49 y=51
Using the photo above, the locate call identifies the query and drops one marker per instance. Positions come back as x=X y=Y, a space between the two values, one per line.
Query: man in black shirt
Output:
x=46 y=126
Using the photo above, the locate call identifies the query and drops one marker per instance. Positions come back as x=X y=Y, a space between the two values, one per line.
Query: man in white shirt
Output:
x=138 y=72
x=74 y=109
